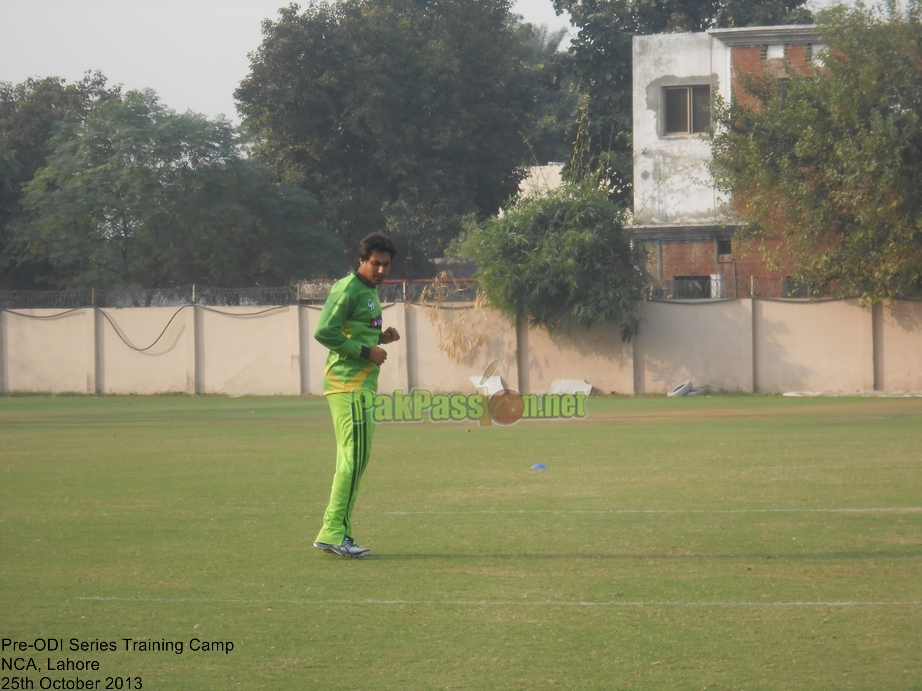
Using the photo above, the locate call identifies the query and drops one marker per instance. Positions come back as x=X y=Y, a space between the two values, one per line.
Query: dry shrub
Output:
x=459 y=326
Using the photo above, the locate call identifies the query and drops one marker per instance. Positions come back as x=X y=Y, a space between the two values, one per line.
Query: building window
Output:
x=724 y=247
x=687 y=109
x=815 y=53
x=691 y=287
x=781 y=84
x=775 y=52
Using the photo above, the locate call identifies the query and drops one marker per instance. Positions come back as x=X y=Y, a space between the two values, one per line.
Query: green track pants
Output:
x=353 y=423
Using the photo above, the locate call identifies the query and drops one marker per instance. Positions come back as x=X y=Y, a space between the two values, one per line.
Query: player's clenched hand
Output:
x=377 y=355
x=389 y=335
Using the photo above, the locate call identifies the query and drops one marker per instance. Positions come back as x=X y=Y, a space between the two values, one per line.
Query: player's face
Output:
x=374 y=269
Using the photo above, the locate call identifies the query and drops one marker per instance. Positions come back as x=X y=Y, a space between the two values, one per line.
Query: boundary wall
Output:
x=748 y=345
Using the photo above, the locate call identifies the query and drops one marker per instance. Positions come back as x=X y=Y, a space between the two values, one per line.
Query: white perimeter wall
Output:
x=804 y=346
x=47 y=350
x=731 y=345
x=708 y=342
x=160 y=363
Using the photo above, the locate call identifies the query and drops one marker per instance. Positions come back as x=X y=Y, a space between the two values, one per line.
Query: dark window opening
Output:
x=686 y=109
x=782 y=86
x=691 y=287
x=793 y=289
x=724 y=247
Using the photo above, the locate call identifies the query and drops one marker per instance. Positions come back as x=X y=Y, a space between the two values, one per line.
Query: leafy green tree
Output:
x=831 y=164
x=601 y=58
x=9 y=167
x=399 y=115
x=558 y=259
x=550 y=136
x=137 y=195
x=30 y=112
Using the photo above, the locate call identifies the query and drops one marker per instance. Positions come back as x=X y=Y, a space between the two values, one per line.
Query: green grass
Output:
x=729 y=542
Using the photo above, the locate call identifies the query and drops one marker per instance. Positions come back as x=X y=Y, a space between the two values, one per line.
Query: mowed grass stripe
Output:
x=502 y=603
x=888 y=509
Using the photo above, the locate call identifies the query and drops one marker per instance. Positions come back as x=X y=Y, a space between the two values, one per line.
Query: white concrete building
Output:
x=685 y=223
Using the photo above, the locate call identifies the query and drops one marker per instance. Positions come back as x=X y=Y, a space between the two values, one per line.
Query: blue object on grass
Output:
x=539 y=466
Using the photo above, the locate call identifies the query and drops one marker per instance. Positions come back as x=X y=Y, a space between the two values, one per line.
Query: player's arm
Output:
x=329 y=332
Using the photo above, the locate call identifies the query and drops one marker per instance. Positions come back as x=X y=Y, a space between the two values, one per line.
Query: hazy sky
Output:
x=193 y=53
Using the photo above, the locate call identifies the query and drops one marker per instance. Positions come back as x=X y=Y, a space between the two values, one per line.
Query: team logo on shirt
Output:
x=371 y=304
x=376 y=323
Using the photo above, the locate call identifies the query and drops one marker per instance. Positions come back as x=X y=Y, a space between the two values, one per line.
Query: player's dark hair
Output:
x=376 y=242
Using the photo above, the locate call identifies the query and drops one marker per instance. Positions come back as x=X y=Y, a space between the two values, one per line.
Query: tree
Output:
x=30 y=112
x=601 y=56
x=399 y=115
x=558 y=259
x=830 y=165
x=136 y=195
x=550 y=136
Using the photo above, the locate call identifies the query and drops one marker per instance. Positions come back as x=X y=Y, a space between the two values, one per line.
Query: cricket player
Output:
x=350 y=326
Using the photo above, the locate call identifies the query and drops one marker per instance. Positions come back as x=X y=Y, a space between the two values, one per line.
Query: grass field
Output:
x=729 y=542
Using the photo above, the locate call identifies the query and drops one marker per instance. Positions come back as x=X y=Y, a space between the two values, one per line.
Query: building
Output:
x=682 y=220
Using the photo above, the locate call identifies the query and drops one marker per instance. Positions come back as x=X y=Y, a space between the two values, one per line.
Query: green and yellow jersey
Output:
x=350 y=326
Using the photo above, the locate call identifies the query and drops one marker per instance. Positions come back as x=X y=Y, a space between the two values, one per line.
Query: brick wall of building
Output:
x=744 y=269
x=751 y=60
x=745 y=272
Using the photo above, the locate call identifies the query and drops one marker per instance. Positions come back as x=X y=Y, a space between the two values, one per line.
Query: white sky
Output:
x=193 y=53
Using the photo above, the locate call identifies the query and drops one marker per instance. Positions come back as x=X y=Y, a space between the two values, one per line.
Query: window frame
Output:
x=693 y=127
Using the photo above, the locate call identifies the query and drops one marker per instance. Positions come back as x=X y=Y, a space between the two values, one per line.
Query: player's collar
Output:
x=359 y=276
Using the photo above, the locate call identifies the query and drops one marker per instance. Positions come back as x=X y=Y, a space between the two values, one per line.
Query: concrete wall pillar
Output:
x=198 y=330
x=4 y=356
x=316 y=353
x=877 y=344
x=294 y=346
x=304 y=354
x=411 y=314
x=396 y=316
x=189 y=330
x=95 y=357
x=754 y=334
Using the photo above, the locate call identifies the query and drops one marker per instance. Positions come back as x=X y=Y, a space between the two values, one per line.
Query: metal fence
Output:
x=307 y=292
x=198 y=295
x=45 y=299
x=148 y=297
x=427 y=291
x=720 y=286
x=431 y=291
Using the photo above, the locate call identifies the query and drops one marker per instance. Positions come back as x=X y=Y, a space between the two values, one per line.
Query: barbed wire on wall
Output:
x=447 y=289
x=46 y=299
x=205 y=296
x=155 y=297
x=719 y=286
x=442 y=289
x=450 y=289
x=305 y=292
